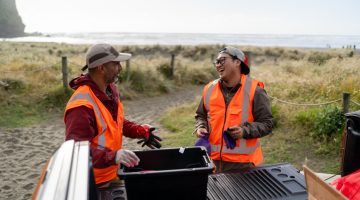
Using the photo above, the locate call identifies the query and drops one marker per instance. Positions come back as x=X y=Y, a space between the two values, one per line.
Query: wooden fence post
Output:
x=65 y=74
x=172 y=65
x=127 y=70
x=346 y=102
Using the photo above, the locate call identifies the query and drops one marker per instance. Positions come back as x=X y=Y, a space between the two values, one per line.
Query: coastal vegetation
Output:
x=298 y=81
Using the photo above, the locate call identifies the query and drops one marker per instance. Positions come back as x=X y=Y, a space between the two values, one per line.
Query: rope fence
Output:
x=356 y=103
x=345 y=100
x=305 y=104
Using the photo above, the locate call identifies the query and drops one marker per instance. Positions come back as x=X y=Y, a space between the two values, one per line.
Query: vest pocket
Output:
x=234 y=118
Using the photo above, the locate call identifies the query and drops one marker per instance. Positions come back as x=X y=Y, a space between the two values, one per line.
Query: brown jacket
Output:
x=263 y=119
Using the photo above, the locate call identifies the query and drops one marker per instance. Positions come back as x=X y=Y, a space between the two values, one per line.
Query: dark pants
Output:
x=116 y=182
x=222 y=166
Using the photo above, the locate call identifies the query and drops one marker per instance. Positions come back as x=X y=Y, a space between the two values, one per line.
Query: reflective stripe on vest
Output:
x=243 y=148
x=208 y=94
x=207 y=100
x=245 y=102
x=86 y=96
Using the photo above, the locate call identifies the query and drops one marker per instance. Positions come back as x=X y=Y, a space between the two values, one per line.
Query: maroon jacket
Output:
x=80 y=122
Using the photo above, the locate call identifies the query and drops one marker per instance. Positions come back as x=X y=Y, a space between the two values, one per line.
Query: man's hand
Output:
x=229 y=141
x=236 y=132
x=201 y=132
x=230 y=136
x=150 y=139
x=127 y=158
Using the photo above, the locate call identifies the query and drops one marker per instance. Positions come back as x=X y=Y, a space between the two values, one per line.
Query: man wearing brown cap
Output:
x=234 y=112
x=95 y=113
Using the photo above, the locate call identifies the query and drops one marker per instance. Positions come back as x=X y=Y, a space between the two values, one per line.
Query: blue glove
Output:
x=229 y=141
x=204 y=141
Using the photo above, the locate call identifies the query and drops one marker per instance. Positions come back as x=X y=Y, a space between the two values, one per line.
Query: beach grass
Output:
x=31 y=75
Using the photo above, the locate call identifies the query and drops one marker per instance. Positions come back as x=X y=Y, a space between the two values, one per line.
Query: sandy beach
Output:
x=24 y=151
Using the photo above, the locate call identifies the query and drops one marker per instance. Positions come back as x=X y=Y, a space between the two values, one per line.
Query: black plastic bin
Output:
x=176 y=173
x=351 y=153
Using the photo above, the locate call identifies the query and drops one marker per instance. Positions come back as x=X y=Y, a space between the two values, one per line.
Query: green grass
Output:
x=180 y=123
x=20 y=115
x=20 y=112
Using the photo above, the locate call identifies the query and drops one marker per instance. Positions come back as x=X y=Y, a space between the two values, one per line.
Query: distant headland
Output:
x=10 y=20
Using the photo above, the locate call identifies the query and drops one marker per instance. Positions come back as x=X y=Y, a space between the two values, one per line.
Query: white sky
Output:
x=330 y=17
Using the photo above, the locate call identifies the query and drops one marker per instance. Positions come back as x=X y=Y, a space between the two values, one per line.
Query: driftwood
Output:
x=4 y=84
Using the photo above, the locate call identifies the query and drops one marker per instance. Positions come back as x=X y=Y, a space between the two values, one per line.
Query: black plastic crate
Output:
x=278 y=181
x=176 y=173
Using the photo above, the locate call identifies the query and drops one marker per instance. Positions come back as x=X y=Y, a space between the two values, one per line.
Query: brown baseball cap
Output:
x=99 y=54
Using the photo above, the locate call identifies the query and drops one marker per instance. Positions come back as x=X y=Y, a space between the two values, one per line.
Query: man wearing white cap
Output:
x=233 y=114
x=95 y=113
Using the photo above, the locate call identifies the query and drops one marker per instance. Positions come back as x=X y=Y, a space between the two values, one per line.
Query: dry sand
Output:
x=24 y=151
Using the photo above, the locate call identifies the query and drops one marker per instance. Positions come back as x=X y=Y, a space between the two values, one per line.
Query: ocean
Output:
x=302 y=41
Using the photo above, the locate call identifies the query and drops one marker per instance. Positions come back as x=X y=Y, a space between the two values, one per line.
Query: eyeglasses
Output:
x=220 y=61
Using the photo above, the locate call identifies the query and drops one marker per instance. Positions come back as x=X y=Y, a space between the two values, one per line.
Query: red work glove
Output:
x=149 y=139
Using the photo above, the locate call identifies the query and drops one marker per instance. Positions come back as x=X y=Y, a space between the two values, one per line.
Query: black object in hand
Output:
x=229 y=141
x=152 y=141
x=230 y=129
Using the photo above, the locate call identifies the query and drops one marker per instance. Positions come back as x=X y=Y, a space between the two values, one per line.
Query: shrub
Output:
x=14 y=84
x=319 y=58
x=329 y=122
x=138 y=80
x=275 y=112
x=351 y=54
x=200 y=76
x=321 y=123
x=56 y=98
x=165 y=70
x=306 y=119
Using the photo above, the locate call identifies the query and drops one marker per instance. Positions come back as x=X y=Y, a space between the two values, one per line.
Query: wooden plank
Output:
x=319 y=190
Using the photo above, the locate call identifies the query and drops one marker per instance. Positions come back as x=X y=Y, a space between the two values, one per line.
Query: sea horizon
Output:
x=129 y=38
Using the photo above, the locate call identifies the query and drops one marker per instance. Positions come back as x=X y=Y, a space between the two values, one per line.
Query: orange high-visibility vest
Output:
x=238 y=112
x=109 y=131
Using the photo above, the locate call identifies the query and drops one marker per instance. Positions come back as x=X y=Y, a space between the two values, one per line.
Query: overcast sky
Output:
x=330 y=17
